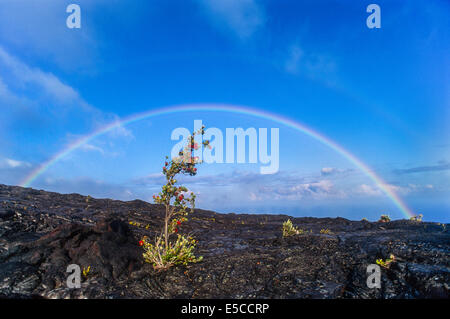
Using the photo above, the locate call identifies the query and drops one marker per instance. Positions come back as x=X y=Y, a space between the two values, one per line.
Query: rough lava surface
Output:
x=244 y=256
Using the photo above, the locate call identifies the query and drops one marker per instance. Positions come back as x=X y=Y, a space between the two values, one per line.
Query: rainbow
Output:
x=383 y=186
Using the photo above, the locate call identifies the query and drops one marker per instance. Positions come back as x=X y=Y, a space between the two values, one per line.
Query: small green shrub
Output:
x=86 y=271
x=180 y=252
x=386 y=264
x=384 y=219
x=417 y=218
x=290 y=230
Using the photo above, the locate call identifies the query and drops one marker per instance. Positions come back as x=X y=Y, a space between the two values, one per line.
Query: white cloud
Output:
x=397 y=189
x=322 y=188
x=369 y=190
x=34 y=90
x=121 y=131
x=250 y=186
x=255 y=197
x=12 y=170
x=333 y=171
x=23 y=77
x=11 y=163
x=300 y=61
x=243 y=17
x=308 y=190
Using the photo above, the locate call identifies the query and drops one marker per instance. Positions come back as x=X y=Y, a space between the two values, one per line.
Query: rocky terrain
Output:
x=245 y=256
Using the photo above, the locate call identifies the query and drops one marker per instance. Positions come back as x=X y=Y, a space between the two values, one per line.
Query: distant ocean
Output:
x=431 y=213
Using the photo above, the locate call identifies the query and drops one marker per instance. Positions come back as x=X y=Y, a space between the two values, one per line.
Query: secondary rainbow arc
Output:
x=224 y=108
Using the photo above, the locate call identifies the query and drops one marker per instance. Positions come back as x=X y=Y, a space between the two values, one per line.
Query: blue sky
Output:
x=382 y=94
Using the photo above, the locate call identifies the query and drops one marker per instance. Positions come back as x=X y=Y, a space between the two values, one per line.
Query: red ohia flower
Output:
x=141 y=243
x=178 y=222
x=180 y=198
x=175 y=230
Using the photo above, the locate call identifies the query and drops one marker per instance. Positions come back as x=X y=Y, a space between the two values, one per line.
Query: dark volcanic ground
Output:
x=245 y=256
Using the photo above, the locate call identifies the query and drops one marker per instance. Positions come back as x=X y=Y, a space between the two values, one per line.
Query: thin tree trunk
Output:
x=166 y=230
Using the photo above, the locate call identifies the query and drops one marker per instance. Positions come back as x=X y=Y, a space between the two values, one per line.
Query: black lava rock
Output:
x=245 y=256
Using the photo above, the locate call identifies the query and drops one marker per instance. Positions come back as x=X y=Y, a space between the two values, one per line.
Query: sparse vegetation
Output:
x=178 y=201
x=140 y=225
x=417 y=218
x=386 y=264
x=86 y=271
x=180 y=252
x=384 y=219
x=325 y=231
x=443 y=225
x=290 y=230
